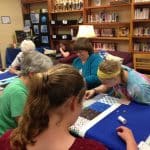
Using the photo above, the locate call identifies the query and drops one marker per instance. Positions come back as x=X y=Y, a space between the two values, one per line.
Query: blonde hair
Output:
x=109 y=69
x=48 y=91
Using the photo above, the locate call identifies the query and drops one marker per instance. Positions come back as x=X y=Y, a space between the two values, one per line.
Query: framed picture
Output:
x=36 y=29
x=27 y=23
x=44 y=29
x=44 y=39
x=20 y=35
x=34 y=18
x=5 y=19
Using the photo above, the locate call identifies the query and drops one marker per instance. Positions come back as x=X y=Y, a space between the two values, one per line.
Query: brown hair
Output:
x=68 y=45
x=110 y=66
x=48 y=91
x=83 y=44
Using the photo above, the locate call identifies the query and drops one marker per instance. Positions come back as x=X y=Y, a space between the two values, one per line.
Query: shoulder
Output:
x=94 y=57
x=15 y=87
x=77 y=60
x=20 y=54
x=86 y=144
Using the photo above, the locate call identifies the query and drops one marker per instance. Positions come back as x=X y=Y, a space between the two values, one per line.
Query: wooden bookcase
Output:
x=141 y=36
x=91 y=13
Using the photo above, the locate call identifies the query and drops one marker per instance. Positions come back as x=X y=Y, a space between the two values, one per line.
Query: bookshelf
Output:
x=106 y=15
x=118 y=25
x=65 y=17
x=141 y=35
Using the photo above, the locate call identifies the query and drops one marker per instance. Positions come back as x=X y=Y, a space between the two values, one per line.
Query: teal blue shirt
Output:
x=137 y=87
x=89 y=69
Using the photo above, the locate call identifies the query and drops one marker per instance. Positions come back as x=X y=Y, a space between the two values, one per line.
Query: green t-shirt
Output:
x=12 y=103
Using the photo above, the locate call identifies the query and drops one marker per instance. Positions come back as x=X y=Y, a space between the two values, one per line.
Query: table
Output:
x=102 y=127
x=6 y=77
x=137 y=116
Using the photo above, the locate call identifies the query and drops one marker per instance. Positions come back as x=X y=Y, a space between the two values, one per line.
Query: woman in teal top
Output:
x=87 y=62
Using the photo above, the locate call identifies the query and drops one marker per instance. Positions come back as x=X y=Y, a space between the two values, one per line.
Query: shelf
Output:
x=70 y=11
x=33 y=1
x=141 y=37
x=109 y=24
x=108 y=6
x=141 y=20
x=140 y=52
x=66 y=26
x=141 y=3
x=112 y=38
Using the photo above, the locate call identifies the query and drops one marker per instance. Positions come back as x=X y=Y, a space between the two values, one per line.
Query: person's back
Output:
x=78 y=144
x=12 y=102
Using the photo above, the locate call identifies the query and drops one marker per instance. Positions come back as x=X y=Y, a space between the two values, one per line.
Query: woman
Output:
x=52 y=107
x=26 y=46
x=87 y=62
x=126 y=82
x=14 y=96
x=67 y=52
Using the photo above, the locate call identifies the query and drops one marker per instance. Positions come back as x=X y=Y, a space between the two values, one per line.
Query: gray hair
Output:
x=35 y=62
x=27 y=46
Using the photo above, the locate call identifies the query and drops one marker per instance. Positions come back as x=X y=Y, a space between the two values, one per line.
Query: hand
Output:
x=14 y=71
x=124 y=101
x=89 y=94
x=125 y=133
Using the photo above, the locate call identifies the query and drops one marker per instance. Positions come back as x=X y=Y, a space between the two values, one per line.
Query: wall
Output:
x=10 y=8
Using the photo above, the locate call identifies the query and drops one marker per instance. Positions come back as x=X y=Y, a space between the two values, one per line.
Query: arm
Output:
x=127 y=136
x=16 y=63
x=100 y=89
x=140 y=93
x=14 y=70
x=65 y=54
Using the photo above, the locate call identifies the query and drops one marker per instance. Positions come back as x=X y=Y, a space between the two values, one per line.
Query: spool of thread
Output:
x=122 y=120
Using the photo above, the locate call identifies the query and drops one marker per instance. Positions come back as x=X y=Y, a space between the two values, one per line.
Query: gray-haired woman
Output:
x=15 y=94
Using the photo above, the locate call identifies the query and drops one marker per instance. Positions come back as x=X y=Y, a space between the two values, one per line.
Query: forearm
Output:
x=131 y=144
x=101 y=89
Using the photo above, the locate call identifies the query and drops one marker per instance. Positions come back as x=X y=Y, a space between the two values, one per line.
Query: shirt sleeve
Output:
x=17 y=103
x=140 y=93
x=17 y=60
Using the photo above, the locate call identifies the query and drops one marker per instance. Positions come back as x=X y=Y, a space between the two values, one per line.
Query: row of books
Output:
x=103 y=17
x=105 y=32
x=142 y=13
x=144 y=47
x=67 y=5
x=105 y=46
x=142 y=31
x=112 y=32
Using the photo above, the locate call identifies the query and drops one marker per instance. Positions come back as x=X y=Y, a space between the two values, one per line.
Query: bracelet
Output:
x=95 y=92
